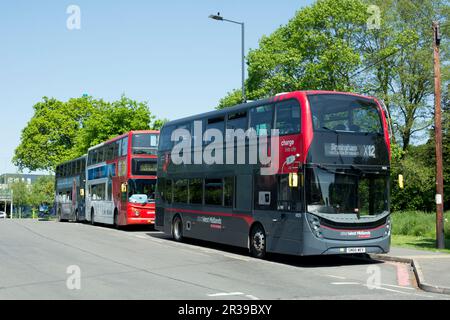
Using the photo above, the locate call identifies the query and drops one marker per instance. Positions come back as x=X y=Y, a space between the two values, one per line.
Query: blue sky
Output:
x=165 y=52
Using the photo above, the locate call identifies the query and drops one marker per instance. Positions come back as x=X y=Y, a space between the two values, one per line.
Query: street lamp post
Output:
x=12 y=206
x=218 y=17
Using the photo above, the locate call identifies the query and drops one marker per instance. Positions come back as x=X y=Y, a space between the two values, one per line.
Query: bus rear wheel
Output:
x=258 y=242
x=92 y=217
x=177 y=229
x=116 y=220
x=60 y=219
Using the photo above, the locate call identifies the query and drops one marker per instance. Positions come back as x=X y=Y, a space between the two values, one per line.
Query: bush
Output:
x=419 y=180
x=418 y=224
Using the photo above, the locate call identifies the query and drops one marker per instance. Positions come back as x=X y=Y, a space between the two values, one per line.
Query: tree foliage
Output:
x=42 y=191
x=60 y=131
x=50 y=136
x=328 y=46
x=112 y=119
x=21 y=193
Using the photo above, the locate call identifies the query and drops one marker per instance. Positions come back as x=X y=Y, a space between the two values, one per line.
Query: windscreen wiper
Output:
x=332 y=130
x=324 y=168
x=363 y=171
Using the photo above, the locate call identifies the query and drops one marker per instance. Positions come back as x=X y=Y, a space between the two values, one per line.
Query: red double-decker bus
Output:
x=121 y=180
x=328 y=193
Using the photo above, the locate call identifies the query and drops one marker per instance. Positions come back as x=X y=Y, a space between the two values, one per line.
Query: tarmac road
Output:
x=42 y=260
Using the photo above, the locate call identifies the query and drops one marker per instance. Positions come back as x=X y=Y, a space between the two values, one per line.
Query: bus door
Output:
x=287 y=220
x=123 y=202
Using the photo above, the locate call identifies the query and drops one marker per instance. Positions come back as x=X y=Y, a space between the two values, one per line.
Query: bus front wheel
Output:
x=258 y=242
x=177 y=229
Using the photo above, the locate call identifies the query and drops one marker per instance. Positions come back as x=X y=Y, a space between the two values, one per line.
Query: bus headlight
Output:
x=136 y=212
x=314 y=222
x=387 y=231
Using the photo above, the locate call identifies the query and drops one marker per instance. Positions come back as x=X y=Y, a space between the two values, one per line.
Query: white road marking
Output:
x=337 y=277
x=252 y=297
x=235 y=257
x=224 y=294
x=385 y=289
x=400 y=287
x=398 y=291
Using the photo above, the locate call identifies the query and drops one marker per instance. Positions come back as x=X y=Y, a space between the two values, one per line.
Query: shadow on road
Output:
x=295 y=261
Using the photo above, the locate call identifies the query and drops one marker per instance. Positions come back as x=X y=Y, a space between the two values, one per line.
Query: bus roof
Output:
x=122 y=136
x=73 y=160
x=242 y=106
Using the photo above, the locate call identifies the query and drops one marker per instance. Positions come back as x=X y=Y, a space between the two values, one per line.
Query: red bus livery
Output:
x=121 y=180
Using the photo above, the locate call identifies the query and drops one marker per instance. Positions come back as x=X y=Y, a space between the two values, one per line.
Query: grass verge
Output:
x=416 y=229
x=421 y=243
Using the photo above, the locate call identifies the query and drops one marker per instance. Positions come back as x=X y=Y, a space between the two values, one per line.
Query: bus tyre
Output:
x=92 y=217
x=116 y=220
x=60 y=219
x=258 y=242
x=177 y=229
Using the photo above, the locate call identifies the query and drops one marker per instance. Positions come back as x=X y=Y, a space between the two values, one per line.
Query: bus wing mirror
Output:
x=293 y=180
x=401 y=181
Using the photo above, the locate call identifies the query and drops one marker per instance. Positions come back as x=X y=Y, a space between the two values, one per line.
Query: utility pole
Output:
x=440 y=242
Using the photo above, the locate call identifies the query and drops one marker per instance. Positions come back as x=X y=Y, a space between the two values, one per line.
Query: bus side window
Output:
x=289 y=197
x=165 y=139
x=169 y=192
x=213 y=192
x=196 y=191
x=124 y=146
x=287 y=117
x=180 y=194
x=228 y=191
x=243 y=200
x=261 y=119
x=110 y=197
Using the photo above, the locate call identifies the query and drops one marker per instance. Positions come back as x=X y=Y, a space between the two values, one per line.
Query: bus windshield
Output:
x=345 y=113
x=145 y=143
x=138 y=188
x=335 y=191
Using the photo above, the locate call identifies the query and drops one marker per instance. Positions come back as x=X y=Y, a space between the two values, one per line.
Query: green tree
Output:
x=231 y=99
x=429 y=153
x=60 y=131
x=111 y=119
x=399 y=65
x=419 y=187
x=42 y=191
x=158 y=124
x=50 y=136
x=327 y=46
x=318 y=49
x=21 y=195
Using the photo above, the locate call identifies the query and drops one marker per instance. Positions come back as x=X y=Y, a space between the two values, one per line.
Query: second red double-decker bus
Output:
x=121 y=180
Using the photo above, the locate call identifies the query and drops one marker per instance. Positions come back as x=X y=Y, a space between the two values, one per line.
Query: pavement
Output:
x=432 y=269
x=51 y=260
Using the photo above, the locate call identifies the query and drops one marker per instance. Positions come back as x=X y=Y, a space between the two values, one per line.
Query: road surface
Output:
x=51 y=260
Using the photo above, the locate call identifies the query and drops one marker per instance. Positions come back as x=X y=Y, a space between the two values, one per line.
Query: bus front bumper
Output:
x=134 y=220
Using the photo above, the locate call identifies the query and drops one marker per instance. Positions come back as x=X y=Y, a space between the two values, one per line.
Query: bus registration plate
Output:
x=356 y=250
